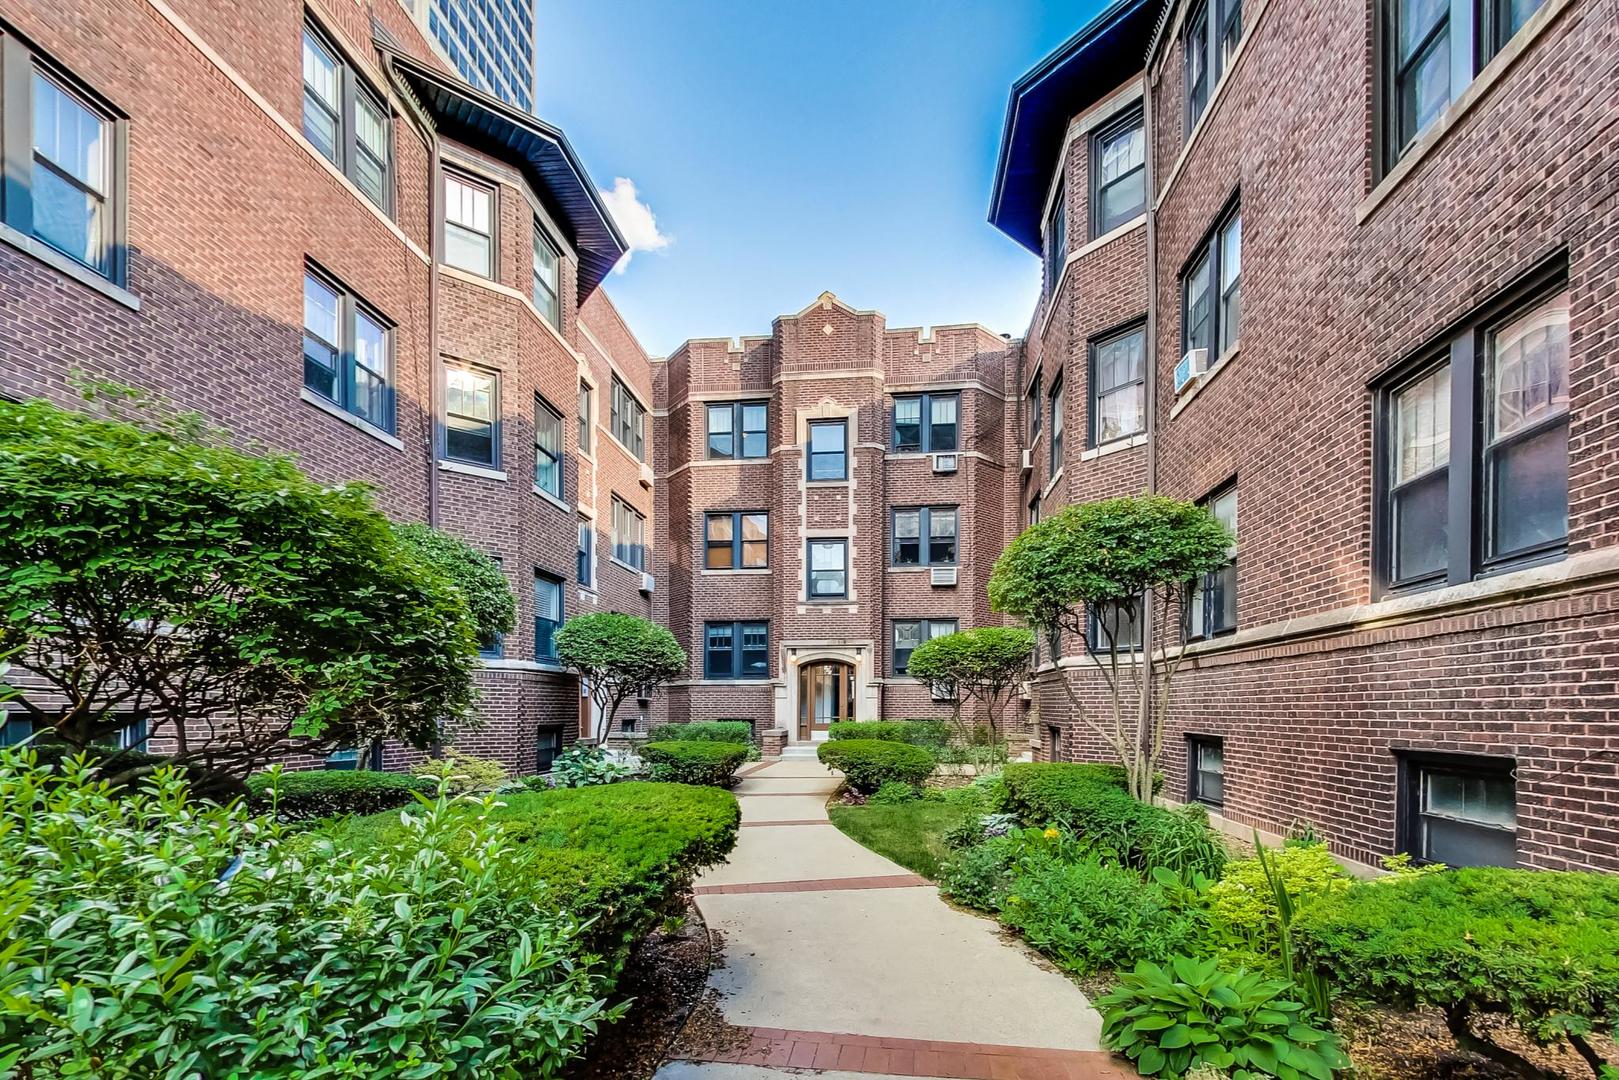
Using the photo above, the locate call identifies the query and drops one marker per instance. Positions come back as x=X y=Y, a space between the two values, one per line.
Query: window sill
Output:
x=827 y=483
x=751 y=571
x=332 y=409
x=1190 y=393
x=908 y=569
x=43 y=252
x=446 y=465
x=1127 y=442
x=1457 y=111
x=553 y=500
x=627 y=451
x=550 y=667
x=1118 y=232
x=1051 y=485
x=624 y=566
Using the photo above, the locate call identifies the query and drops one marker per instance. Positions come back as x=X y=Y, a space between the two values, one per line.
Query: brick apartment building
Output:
x=1346 y=273
x=298 y=221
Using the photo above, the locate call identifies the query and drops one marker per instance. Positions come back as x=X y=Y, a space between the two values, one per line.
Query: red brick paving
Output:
x=886 y=881
x=775 y=1047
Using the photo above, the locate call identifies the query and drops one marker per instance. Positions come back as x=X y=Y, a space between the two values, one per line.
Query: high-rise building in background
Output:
x=490 y=42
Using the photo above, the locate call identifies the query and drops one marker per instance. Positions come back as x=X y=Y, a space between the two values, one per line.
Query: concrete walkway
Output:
x=835 y=959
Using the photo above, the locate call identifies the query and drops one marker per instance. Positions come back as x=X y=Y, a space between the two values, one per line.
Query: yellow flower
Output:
x=1052 y=834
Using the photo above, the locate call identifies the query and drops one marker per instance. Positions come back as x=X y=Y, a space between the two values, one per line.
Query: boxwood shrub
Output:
x=710 y=763
x=1090 y=801
x=727 y=731
x=1535 y=945
x=867 y=764
x=933 y=734
x=300 y=796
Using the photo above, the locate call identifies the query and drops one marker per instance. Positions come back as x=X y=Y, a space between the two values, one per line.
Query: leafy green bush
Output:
x=1535 y=945
x=483 y=584
x=1243 y=915
x=731 y=731
x=150 y=936
x=933 y=734
x=979 y=876
x=1090 y=802
x=301 y=796
x=710 y=763
x=1087 y=915
x=869 y=763
x=1199 y=1015
x=464 y=772
x=582 y=765
x=893 y=793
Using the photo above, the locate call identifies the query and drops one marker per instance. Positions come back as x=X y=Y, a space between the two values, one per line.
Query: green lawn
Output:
x=912 y=834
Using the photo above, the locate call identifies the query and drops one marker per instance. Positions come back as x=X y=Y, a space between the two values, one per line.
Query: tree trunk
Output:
x=1456 y=1017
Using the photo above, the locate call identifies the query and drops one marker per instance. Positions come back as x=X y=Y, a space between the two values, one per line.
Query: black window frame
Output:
x=491 y=269
x=547 y=295
x=1058 y=425
x=545 y=755
x=739 y=430
x=810 y=453
x=1097 y=643
x=1466 y=347
x=924 y=535
x=19 y=62
x=1412 y=764
x=737 y=544
x=925 y=440
x=737 y=669
x=1034 y=406
x=925 y=628
x=1211 y=248
x=1194 y=772
x=627 y=420
x=634 y=547
x=585 y=557
x=1093 y=392
x=586 y=404
x=561 y=586
x=495 y=425
x=352 y=89
x=350 y=309
x=558 y=454
x=1131 y=118
x=1054 y=232
x=1213 y=32
x=810 y=543
x=1216 y=582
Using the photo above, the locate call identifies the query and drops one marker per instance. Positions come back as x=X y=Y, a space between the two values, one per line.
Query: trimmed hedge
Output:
x=867 y=764
x=621 y=854
x=1090 y=801
x=724 y=731
x=300 y=796
x=713 y=764
x=1535 y=945
x=933 y=734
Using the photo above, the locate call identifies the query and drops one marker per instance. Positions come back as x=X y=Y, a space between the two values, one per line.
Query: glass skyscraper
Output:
x=490 y=42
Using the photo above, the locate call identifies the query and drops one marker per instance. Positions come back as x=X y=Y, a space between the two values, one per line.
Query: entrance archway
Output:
x=825 y=695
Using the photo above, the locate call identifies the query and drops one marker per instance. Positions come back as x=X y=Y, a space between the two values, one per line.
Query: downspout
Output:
x=1148 y=631
x=436 y=228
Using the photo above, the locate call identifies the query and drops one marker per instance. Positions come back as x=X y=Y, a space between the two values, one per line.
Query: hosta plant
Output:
x=1196 y=1014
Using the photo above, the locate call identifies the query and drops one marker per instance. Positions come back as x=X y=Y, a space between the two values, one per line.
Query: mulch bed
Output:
x=664 y=978
x=1390 y=1045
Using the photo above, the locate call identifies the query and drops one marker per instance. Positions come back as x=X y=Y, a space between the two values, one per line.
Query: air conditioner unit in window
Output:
x=1193 y=365
x=648 y=583
x=1025 y=691
x=944 y=463
x=646 y=476
x=943 y=575
x=1028 y=461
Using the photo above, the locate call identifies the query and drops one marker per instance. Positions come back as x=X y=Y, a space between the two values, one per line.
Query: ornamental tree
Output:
x=619 y=657
x=211 y=603
x=1126 y=555
x=479 y=578
x=985 y=665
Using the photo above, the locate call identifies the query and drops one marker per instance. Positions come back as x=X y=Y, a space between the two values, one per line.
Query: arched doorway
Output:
x=825 y=695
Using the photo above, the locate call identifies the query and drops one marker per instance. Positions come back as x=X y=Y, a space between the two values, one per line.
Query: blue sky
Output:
x=786 y=148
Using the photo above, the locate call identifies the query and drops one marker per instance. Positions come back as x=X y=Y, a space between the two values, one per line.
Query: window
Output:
x=736 y=650
x=1056 y=424
x=347 y=352
x=828 y=569
x=586 y=563
x=344 y=120
x=1468 y=489
x=1429 y=57
x=738 y=429
x=1210 y=44
x=828 y=449
x=547 y=614
x=909 y=634
x=926 y=423
x=628 y=421
x=14 y=728
x=1032 y=410
x=547 y=745
x=1459 y=809
x=1118 y=173
x=471 y=411
x=1057 y=234
x=1034 y=510
x=1211 y=291
x=587 y=417
x=1118 y=386
x=1205 y=769
x=629 y=535
x=736 y=541
x=547 y=278
x=547 y=448
x=1212 y=605
x=937 y=524
x=1114 y=626
x=469 y=242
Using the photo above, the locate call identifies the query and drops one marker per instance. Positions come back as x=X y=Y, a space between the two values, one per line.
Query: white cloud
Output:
x=635 y=220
